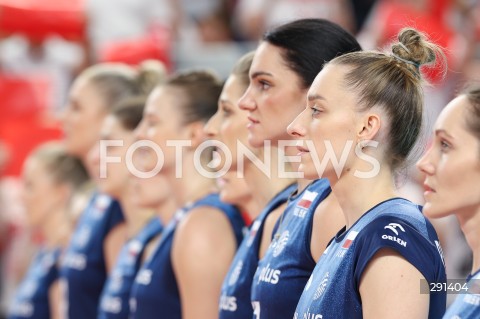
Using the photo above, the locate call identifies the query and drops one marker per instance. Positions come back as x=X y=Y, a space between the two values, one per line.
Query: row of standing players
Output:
x=340 y=246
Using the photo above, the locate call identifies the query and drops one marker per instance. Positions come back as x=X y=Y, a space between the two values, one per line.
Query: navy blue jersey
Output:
x=83 y=269
x=155 y=290
x=333 y=289
x=235 y=297
x=467 y=305
x=284 y=270
x=116 y=293
x=31 y=298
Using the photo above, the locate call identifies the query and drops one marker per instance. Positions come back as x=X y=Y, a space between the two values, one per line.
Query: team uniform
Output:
x=235 y=297
x=155 y=290
x=83 y=270
x=467 y=305
x=31 y=299
x=284 y=270
x=116 y=293
x=333 y=289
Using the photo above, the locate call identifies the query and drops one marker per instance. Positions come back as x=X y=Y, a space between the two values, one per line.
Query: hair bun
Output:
x=150 y=74
x=413 y=46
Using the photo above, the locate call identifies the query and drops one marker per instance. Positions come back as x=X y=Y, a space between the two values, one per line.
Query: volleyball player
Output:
x=183 y=275
x=267 y=191
x=452 y=175
x=367 y=108
x=51 y=178
x=100 y=231
x=283 y=68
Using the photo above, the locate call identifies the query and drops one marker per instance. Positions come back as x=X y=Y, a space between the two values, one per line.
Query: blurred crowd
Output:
x=45 y=44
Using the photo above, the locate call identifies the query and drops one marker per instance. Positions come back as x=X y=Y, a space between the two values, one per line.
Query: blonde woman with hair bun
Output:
x=384 y=261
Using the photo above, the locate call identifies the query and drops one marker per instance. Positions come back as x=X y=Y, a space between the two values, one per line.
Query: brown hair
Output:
x=129 y=112
x=473 y=118
x=393 y=82
x=63 y=167
x=201 y=92
x=116 y=81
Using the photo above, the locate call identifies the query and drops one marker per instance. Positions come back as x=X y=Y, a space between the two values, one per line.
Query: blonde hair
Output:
x=61 y=166
x=393 y=82
x=242 y=67
x=116 y=81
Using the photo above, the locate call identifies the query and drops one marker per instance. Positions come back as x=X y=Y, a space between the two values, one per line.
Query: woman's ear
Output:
x=369 y=126
x=196 y=133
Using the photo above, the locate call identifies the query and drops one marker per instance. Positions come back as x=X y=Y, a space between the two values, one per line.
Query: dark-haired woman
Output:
x=452 y=175
x=268 y=192
x=367 y=106
x=283 y=68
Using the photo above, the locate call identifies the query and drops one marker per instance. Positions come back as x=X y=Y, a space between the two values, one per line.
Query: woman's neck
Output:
x=302 y=183
x=252 y=207
x=166 y=209
x=191 y=185
x=470 y=223
x=56 y=230
x=357 y=195
x=135 y=216
x=264 y=188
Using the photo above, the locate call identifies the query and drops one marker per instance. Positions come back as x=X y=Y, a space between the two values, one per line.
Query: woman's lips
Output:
x=252 y=122
x=428 y=189
x=301 y=149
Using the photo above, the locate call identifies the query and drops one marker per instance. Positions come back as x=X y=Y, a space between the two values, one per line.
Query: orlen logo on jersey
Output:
x=394 y=227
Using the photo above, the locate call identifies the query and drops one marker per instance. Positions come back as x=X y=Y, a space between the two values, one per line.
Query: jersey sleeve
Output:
x=399 y=235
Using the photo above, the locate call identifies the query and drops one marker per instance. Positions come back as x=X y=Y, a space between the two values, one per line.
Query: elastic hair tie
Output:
x=415 y=64
x=403 y=46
